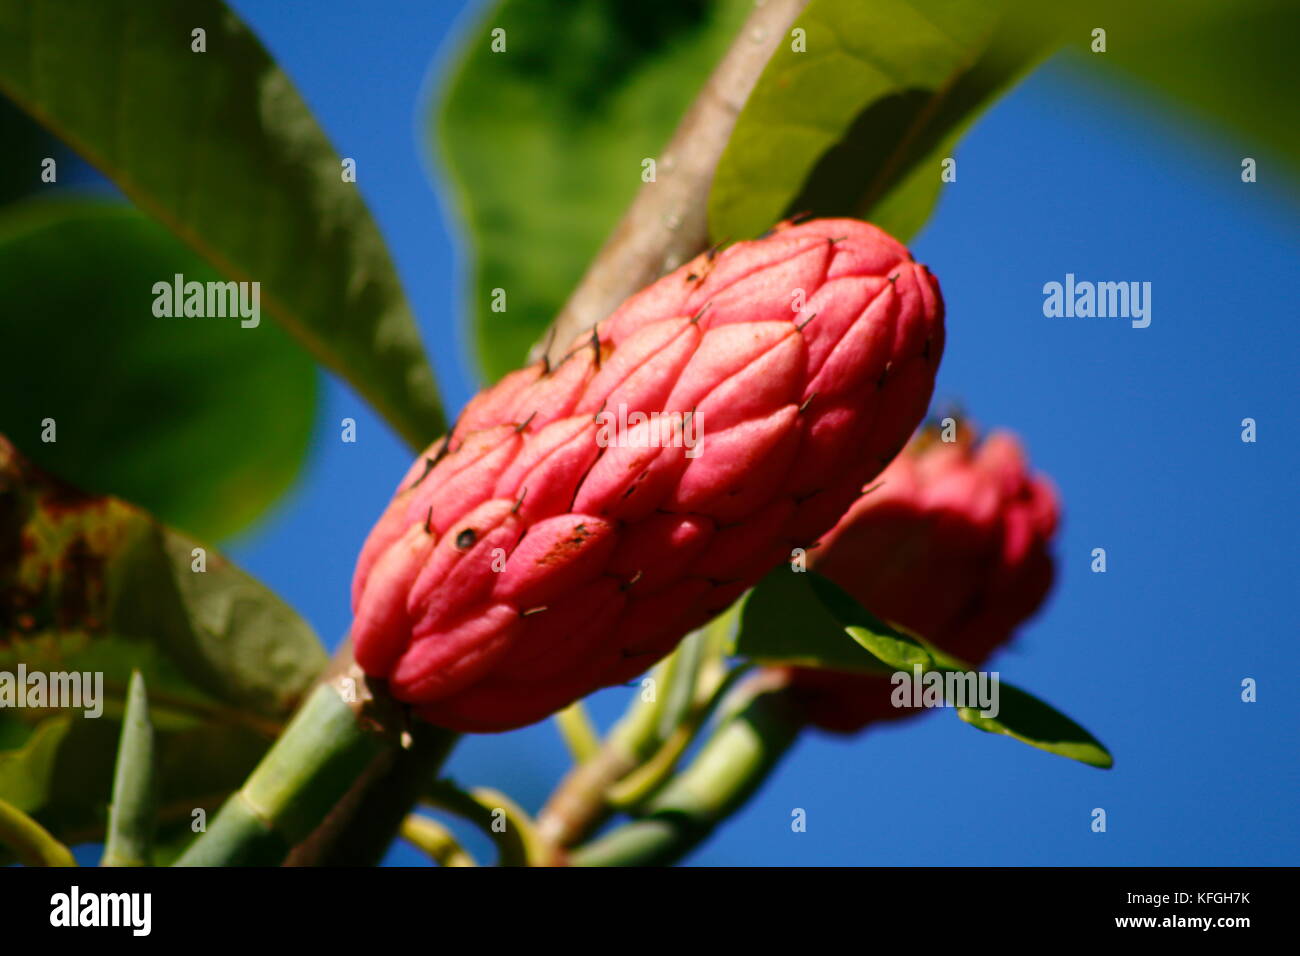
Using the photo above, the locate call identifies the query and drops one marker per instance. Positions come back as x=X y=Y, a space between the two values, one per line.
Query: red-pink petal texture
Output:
x=953 y=544
x=583 y=517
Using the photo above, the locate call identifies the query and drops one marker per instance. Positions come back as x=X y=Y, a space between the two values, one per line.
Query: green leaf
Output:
x=30 y=842
x=1024 y=717
x=221 y=148
x=27 y=770
x=26 y=145
x=857 y=123
x=891 y=647
x=130 y=815
x=1245 y=76
x=93 y=585
x=202 y=422
x=784 y=621
x=802 y=619
x=543 y=143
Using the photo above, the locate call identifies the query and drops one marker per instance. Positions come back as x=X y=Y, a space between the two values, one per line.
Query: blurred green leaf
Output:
x=857 y=123
x=199 y=420
x=221 y=149
x=802 y=619
x=92 y=584
x=1230 y=63
x=543 y=143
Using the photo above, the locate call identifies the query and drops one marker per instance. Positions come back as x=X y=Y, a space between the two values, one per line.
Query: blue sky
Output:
x=1139 y=428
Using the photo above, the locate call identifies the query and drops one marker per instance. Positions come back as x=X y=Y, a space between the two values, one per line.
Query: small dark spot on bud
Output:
x=806 y=402
x=524 y=424
x=532 y=610
x=803 y=325
x=428 y=521
x=880 y=382
x=465 y=540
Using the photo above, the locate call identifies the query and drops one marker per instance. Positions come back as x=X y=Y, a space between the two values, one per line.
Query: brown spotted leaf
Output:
x=94 y=586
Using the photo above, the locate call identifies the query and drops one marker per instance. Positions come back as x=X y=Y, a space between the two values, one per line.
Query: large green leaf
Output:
x=544 y=142
x=93 y=585
x=803 y=619
x=856 y=123
x=201 y=421
x=1244 y=77
x=220 y=147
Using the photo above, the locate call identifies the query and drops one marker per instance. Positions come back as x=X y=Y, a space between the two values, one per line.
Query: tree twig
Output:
x=667 y=223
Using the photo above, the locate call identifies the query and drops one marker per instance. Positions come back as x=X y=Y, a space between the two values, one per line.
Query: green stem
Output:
x=732 y=764
x=362 y=826
x=32 y=843
x=496 y=815
x=435 y=840
x=578 y=731
x=129 y=838
x=303 y=776
x=655 y=730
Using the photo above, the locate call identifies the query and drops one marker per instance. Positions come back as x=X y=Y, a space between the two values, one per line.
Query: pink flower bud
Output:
x=582 y=518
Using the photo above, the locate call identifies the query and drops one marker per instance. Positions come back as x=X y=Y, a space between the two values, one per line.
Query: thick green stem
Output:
x=361 y=827
x=307 y=772
x=732 y=764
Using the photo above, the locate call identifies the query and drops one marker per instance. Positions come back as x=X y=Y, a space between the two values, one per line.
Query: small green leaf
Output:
x=782 y=620
x=130 y=815
x=1024 y=717
x=803 y=619
x=218 y=146
x=891 y=647
x=544 y=141
x=856 y=123
x=200 y=421
x=92 y=585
